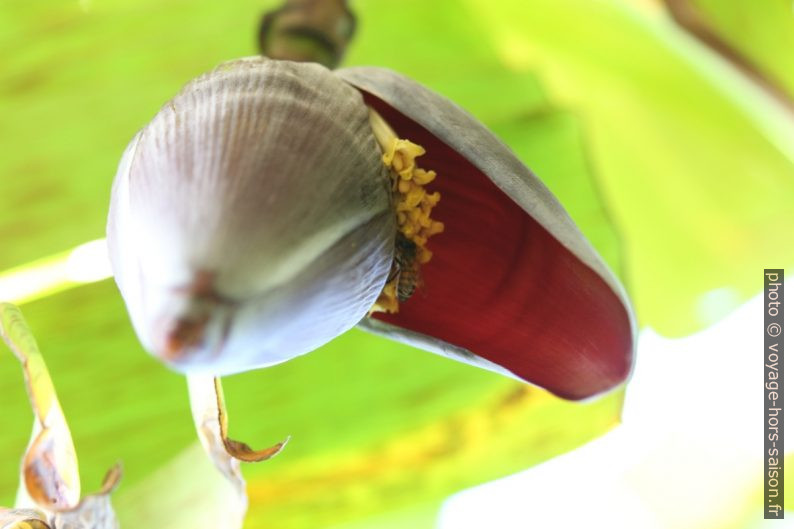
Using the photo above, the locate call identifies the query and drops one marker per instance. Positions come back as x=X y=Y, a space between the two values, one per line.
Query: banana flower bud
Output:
x=268 y=207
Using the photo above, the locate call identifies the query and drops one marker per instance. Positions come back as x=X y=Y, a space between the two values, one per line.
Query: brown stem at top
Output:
x=308 y=31
x=688 y=17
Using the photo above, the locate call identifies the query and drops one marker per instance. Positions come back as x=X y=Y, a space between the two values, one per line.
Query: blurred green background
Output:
x=676 y=165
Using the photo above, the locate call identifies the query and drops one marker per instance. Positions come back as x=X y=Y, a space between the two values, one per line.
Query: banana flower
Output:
x=271 y=206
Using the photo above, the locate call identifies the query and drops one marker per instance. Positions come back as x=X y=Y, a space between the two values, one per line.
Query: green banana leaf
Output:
x=762 y=32
x=376 y=426
x=695 y=163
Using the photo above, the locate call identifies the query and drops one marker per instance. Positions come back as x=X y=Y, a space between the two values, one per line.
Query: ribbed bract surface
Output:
x=265 y=177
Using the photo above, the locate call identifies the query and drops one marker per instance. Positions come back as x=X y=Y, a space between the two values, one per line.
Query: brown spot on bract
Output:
x=183 y=336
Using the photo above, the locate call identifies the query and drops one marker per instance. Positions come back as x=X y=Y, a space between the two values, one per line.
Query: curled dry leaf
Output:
x=50 y=473
x=238 y=449
x=111 y=480
x=49 y=469
x=94 y=511
x=209 y=415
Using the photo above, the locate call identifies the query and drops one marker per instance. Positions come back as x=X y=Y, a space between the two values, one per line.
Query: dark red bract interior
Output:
x=502 y=287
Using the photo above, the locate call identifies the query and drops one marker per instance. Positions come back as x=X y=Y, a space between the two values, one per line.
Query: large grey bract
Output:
x=251 y=220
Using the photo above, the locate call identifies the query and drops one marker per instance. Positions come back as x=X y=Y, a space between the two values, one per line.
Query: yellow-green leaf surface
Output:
x=763 y=32
x=695 y=163
x=376 y=427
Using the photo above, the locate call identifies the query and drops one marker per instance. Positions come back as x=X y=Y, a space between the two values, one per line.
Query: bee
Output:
x=406 y=267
